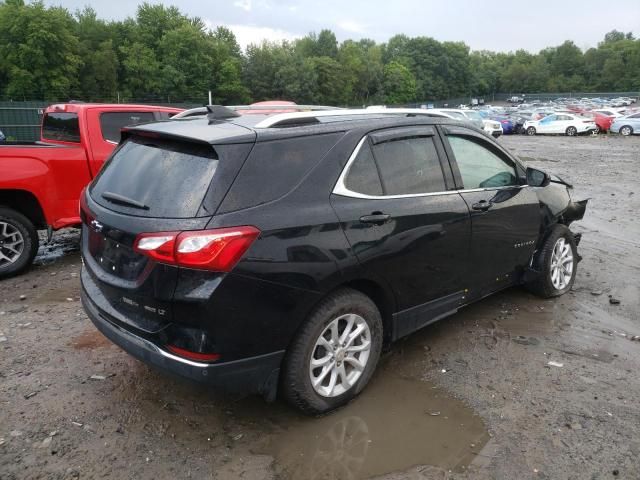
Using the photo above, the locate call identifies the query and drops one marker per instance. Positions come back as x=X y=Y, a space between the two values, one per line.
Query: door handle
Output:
x=376 y=218
x=482 y=205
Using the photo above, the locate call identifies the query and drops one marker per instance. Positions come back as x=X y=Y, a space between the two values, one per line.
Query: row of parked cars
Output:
x=567 y=116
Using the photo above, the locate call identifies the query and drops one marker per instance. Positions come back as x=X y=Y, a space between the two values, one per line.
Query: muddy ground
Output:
x=472 y=397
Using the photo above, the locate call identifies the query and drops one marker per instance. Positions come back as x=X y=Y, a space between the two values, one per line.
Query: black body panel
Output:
x=421 y=257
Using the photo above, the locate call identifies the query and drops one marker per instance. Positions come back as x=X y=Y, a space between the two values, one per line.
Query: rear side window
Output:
x=112 y=122
x=169 y=178
x=363 y=175
x=276 y=167
x=409 y=166
x=61 y=126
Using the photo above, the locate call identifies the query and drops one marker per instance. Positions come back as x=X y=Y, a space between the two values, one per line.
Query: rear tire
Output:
x=557 y=263
x=626 y=130
x=571 y=131
x=18 y=242
x=342 y=366
x=531 y=131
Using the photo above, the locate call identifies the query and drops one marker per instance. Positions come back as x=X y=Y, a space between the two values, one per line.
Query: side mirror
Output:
x=537 y=178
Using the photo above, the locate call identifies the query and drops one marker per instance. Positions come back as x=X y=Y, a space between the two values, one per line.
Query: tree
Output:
x=38 y=51
x=399 y=84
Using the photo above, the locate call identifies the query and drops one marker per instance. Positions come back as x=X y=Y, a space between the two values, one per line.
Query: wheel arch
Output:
x=26 y=203
x=383 y=299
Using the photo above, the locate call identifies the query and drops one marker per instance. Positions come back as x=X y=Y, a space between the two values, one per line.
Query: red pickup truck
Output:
x=40 y=182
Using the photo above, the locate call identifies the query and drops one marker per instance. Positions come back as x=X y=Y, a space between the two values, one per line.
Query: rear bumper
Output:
x=252 y=375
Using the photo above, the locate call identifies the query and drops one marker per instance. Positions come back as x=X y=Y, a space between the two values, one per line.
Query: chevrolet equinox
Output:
x=280 y=254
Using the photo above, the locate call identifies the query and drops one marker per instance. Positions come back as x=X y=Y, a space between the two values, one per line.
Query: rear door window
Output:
x=112 y=122
x=166 y=179
x=61 y=126
x=409 y=166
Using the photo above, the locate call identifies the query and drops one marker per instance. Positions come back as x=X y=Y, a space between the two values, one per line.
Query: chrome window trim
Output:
x=341 y=189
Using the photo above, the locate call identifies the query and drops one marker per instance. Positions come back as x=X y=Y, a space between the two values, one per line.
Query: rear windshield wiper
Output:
x=121 y=199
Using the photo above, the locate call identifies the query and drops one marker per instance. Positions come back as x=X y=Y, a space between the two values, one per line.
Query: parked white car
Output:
x=560 y=123
x=492 y=127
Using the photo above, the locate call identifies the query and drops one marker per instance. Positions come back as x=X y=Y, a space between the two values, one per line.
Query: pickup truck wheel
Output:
x=18 y=242
x=335 y=353
x=557 y=263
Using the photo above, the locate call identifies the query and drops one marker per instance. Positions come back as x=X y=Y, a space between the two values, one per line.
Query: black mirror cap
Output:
x=537 y=178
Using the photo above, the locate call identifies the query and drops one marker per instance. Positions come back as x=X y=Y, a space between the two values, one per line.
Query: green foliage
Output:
x=164 y=55
x=399 y=84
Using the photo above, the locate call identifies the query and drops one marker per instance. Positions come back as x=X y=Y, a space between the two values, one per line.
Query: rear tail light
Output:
x=217 y=250
x=196 y=356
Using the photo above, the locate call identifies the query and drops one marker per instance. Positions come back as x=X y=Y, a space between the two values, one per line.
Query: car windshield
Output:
x=473 y=115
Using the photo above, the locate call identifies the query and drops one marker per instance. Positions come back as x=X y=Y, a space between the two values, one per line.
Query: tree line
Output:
x=49 y=53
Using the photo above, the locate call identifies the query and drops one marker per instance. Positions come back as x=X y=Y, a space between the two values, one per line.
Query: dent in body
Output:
x=557 y=207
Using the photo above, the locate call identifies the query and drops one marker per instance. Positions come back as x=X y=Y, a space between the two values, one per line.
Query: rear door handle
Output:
x=376 y=218
x=482 y=205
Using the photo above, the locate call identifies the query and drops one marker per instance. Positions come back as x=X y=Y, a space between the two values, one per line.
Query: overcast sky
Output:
x=481 y=24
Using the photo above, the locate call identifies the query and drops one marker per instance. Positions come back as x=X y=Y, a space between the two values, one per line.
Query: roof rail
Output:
x=288 y=119
x=283 y=106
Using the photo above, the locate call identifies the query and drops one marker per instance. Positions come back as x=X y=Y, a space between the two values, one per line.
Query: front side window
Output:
x=112 y=122
x=479 y=166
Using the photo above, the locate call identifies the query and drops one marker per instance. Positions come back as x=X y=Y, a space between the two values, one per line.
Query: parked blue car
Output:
x=626 y=125
x=508 y=125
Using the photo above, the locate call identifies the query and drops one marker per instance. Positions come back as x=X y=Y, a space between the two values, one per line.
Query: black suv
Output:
x=282 y=253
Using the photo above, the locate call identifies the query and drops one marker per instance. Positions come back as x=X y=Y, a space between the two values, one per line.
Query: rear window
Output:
x=165 y=179
x=112 y=122
x=61 y=126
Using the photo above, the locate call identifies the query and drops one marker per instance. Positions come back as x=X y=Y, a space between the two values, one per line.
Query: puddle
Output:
x=398 y=422
x=395 y=424
x=62 y=243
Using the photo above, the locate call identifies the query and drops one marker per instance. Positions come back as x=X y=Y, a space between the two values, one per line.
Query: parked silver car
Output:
x=629 y=125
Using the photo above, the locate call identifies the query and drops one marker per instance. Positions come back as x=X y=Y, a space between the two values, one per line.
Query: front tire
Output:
x=332 y=358
x=18 y=242
x=556 y=263
x=531 y=131
x=571 y=131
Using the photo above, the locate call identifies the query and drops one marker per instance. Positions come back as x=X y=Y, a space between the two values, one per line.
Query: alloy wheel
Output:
x=340 y=355
x=625 y=131
x=11 y=244
x=561 y=264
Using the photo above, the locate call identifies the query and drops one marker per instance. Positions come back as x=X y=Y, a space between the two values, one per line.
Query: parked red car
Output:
x=40 y=182
x=603 y=121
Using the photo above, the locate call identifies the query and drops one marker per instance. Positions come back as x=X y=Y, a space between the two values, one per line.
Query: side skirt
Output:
x=414 y=318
